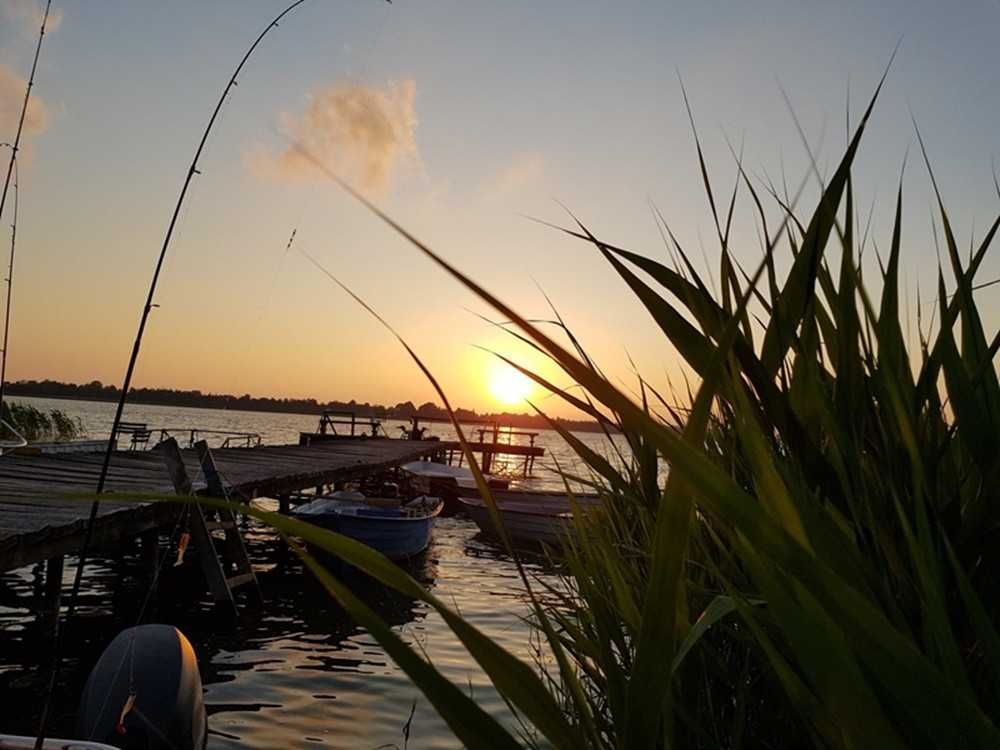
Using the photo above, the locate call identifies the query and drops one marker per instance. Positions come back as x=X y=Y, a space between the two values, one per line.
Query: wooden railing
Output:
x=189 y=436
x=330 y=420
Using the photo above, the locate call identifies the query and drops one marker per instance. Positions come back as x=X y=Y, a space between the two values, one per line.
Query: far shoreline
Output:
x=571 y=425
x=93 y=400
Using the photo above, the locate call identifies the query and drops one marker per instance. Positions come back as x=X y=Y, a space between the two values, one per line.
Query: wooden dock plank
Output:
x=38 y=522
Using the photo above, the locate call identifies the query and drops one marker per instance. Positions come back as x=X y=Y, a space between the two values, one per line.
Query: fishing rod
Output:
x=10 y=285
x=11 y=169
x=148 y=307
x=19 y=439
x=146 y=310
x=24 y=109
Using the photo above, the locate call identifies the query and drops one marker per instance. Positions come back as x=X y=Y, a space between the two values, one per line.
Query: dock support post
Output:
x=49 y=614
x=219 y=583
x=284 y=504
x=37 y=581
x=235 y=551
x=211 y=567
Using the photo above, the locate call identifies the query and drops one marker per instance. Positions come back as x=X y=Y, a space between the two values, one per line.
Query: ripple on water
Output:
x=298 y=672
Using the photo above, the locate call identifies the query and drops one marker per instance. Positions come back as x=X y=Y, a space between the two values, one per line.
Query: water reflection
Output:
x=285 y=667
x=297 y=669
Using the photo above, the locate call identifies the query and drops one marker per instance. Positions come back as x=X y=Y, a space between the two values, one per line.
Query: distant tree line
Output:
x=98 y=391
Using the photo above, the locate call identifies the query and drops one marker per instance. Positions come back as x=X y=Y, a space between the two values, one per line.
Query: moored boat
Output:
x=397 y=530
x=540 y=499
x=538 y=518
x=448 y=482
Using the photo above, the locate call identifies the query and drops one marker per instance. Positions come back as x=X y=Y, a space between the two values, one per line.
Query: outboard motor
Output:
x=145 y=693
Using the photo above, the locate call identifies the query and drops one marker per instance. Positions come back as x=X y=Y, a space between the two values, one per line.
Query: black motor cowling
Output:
x=145 y=692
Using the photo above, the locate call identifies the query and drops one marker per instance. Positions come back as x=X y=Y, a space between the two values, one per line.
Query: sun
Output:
x=510 y=386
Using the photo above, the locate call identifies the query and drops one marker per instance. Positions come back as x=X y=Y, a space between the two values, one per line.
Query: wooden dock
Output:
x=496 y=442
x=489 y=452
x=38 y=523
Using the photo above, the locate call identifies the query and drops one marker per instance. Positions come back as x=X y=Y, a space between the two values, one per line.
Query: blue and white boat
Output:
x=397 y=530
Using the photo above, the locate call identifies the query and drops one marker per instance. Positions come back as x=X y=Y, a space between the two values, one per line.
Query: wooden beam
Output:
x=48 y=615
x=39 y=545
x=215 y=576
x=213 y=480
x=233 y=547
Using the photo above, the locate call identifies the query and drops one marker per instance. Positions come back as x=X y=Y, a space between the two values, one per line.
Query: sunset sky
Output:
x=459 y=119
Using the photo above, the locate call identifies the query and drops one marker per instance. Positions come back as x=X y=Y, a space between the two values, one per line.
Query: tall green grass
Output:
x=827 y=531
x=821 y=564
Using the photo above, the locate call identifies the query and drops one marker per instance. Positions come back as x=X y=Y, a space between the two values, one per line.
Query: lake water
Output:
x=297 y=672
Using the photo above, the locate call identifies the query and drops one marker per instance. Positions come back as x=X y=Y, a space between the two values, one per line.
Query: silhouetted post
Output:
x=49 y=614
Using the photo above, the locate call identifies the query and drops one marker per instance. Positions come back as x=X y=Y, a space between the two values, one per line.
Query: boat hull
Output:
x=549 y=500
x=448 y=482
x=396 y=540
x=523 y=524
x=393 y=532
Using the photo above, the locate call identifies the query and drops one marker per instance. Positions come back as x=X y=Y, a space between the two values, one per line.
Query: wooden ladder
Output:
x=232 y=568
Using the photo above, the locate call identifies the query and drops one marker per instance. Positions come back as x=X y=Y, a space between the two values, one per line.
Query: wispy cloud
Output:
x=26 y=17
x=362 y=132
x=36 y=119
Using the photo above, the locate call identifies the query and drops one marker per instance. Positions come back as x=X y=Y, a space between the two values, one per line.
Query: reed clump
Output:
x=36 y=425
x=819 y=566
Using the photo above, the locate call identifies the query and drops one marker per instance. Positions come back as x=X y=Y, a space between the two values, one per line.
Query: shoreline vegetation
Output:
x=35 y=425
x=195 y=399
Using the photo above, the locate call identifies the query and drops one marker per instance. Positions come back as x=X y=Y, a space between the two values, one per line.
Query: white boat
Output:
x=459 y=475
x=539 y=518
x=540 y=499
x=447 y=482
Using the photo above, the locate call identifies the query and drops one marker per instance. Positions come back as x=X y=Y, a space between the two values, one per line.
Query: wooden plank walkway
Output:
x=38 y=523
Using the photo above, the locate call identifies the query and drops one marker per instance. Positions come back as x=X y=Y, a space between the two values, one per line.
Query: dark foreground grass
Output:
x=820 y=567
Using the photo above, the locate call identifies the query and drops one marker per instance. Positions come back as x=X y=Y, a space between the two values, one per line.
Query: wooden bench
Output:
x=139 y=431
